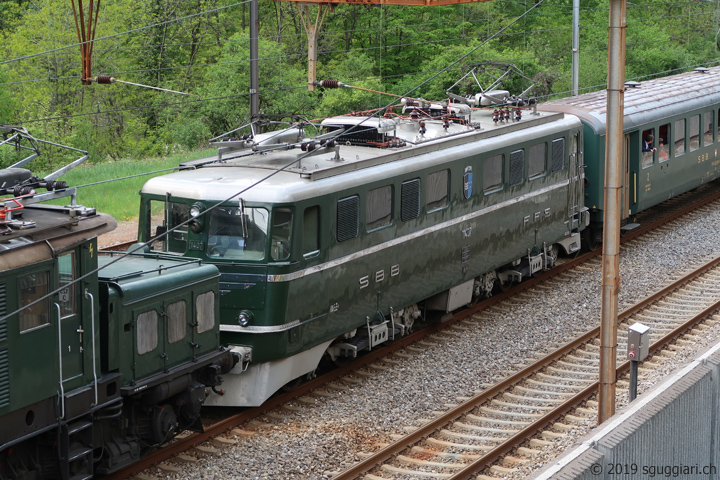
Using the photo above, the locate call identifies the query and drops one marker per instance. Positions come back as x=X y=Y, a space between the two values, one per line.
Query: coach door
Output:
x=628 y=191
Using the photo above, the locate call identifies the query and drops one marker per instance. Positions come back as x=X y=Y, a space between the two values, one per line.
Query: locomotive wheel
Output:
x=588 y=236
x=293 y=384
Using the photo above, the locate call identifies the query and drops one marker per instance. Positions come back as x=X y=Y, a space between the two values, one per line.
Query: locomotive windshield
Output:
x=232 y=234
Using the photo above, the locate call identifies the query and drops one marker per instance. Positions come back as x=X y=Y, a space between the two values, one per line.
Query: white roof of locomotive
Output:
x=346 y=166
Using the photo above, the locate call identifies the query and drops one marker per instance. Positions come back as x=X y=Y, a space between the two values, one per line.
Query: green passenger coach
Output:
x=334 y=241
x=679 y=114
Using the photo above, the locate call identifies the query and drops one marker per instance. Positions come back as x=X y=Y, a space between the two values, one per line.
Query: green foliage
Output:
x=402 y=50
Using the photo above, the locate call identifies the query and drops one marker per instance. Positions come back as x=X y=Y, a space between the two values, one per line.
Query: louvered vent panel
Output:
x=558 y=154
x=4 y=378
x=3 y=312
x=348 y=218
x=410 y=200
x=517 y=167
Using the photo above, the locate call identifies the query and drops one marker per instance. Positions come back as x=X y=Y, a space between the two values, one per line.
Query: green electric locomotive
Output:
x=96 y=365
x=333 y=241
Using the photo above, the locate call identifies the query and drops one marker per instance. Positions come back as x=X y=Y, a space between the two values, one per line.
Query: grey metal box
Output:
x=638 y=342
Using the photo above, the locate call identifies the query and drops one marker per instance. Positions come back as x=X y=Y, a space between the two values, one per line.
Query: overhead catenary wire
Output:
x=230 y=198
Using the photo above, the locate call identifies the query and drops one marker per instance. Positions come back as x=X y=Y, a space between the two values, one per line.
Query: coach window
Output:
x=662 y=142
x=281 y=228
x=679 y=137
x=517 y=167
x=537 y=160
x=311 y=231
x=649 y=142
x=410 y=199
x=694 y=132
x=147 y=331
x=437 y=190
x=67 y=273
x=34 y=287
x=493 y=173
x=708 y=128
x=378 y=208
x=348 y=218
x=558 y=155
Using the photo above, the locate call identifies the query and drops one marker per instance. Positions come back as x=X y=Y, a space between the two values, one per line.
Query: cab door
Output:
x=67 y=308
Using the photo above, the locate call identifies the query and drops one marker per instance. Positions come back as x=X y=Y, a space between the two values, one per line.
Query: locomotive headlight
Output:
x=196 y=224
x=244 y=318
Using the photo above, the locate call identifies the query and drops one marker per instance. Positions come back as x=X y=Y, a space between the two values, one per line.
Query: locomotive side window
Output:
x=537 y=160
x=205 y=311
x=147 y=331
x=34 y=287
x=708 y=128
x=281 y=228
x=311 y=230
x=348 y=218
x=558 y=155
x=663 y=146
x=493 y=173
x=236 y=232
x=694 y=132
x=410 y=200
x=437 y=190
x=679 y=138
x=177 y=321
x=378 y=208
x=67 y=273
x=161 y=217
x=649 y=143
x=517 y=167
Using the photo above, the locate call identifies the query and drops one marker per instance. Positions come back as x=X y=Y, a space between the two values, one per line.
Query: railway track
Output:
x=182 y=445
x=487 y=428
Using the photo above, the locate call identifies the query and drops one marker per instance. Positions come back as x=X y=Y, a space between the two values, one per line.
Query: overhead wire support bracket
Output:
x=86 y=34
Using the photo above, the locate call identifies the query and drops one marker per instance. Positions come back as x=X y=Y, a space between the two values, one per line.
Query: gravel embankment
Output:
x=314 y=441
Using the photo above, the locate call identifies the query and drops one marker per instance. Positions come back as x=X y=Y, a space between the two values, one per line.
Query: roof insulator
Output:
x=702 y=70
x=632 y=84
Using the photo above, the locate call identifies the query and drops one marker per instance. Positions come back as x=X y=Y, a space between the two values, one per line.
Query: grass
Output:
x=120 y=198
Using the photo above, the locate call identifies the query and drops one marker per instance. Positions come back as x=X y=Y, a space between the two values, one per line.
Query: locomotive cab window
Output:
x=679 y=137
x=237 y=233
x=161 y=217
x=34 y=287
x=281 y=229
x=694 y=128
x=493 y=173
x=438 y=188
x=708 y=128
x=311 y=231
x=558 y=155
x=378 y=208
x=537 y=160
x=410 y=200
x=648 y=147
x=662 y=142
x=517 y=167
x=67 y=273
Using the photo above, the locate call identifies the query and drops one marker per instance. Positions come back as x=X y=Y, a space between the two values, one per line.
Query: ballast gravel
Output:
x=315 y=441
